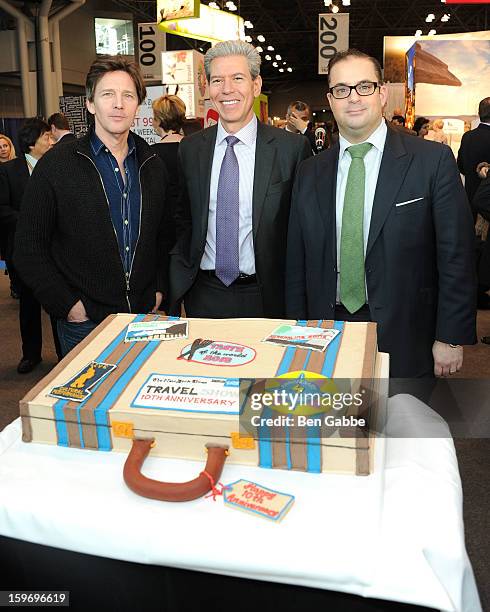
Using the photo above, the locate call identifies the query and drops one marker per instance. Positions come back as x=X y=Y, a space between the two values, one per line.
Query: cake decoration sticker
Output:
x=189 y=394
x=146 y=331
x=218 y=353
x=313 y=338
x=77 y=389
x=256 y=499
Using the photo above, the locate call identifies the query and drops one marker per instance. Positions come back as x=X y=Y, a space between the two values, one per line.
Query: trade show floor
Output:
x=472 y=453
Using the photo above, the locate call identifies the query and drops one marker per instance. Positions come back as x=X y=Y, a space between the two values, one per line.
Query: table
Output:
x=395 y=535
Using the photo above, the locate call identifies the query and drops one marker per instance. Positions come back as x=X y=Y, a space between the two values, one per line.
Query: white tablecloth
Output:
x=397 y=534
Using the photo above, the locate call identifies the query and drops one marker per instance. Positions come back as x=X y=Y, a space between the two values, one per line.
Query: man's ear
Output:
x=257 y=85
x=90 y=107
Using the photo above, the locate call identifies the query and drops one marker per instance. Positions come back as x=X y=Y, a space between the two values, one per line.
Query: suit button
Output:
x=331 y=305
x=369 y=270
x=334 y=269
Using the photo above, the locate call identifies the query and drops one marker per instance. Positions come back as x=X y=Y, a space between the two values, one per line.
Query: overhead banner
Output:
x=177 y=9
x=212 y=25
x=333 y=36
x=151 y=44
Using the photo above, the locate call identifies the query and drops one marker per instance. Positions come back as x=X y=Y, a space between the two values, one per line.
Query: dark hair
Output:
x=169 y=112
x=105 y=64
x=30 y=131
x=298 y=105
x=343 y=55
x=398 y=119
x=484 y=110
x=419 y=122
x=59 y=121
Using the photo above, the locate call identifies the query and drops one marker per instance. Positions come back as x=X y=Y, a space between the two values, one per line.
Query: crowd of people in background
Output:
x=236 y=220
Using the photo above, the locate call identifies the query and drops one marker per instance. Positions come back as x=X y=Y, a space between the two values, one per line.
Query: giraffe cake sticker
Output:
x=77 y=389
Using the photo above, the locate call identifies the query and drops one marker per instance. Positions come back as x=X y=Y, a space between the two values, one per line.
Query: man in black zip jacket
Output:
x=92 y=237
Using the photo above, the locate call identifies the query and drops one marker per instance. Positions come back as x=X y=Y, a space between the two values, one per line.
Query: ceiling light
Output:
x=290 y=69
x=268 y=58
x=418 y=33
x=284 y=63
x=261 y=38
x=278 y=57
x=248 y=24
x=275 y=64
x=213 y=5
x=335 y=9
x=327 y=2
x=430 y=17
x=248 y=39
x=432 y=32
x=281 y=69
x=259 y=49
x=270 y=48
x=346 y=2
x=232 y=8
x=446 y=17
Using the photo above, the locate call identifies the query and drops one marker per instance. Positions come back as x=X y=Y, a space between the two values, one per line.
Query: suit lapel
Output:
x=394 y=166
x=326 y=193
x=264 y=161
x=205 y=156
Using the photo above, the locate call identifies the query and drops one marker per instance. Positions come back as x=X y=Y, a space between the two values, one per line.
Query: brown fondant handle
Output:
x=171 y=491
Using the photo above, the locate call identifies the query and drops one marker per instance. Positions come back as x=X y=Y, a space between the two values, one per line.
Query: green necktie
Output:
x=352 y=287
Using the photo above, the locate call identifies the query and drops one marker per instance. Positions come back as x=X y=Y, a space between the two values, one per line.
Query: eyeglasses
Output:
x=366 y=88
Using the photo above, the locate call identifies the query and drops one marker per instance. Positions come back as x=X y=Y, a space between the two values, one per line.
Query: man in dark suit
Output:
x=298 y=121
x=60 y=128
x=481 y=203
x=236 y=187
x=34 y=139
x=381 y=230
x=475 y=148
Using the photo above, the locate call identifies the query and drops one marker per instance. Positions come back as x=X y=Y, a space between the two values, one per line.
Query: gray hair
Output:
x=234 y=47
x=298 y=105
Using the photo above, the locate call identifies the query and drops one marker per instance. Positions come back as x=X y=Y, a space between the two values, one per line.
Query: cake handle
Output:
x=172 y=491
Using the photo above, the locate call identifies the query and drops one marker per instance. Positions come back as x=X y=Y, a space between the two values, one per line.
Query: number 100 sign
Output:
x=151 y=43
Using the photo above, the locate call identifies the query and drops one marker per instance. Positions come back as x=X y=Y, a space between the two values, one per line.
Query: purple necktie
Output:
x=227 y=216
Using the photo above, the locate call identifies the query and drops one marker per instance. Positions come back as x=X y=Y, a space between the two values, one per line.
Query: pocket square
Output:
x=409 y=201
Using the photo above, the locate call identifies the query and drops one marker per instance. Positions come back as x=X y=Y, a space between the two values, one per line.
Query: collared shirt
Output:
x=245 y=153
x=123 y=197
x=372 y=163
x=31 y=162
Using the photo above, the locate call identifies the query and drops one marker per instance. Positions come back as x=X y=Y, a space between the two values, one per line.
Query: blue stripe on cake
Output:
x=61 y=428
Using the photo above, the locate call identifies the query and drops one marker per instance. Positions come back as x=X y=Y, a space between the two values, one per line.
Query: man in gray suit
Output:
x=381 y=230
x=233 y=214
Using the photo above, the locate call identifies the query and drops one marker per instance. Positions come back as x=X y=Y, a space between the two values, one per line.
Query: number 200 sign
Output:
x=333 y=36
x=151 y=43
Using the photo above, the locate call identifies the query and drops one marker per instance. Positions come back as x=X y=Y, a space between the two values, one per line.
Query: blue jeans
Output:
x=70 y=334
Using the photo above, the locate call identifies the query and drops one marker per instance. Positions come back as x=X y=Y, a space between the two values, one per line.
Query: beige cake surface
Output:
x=114 y=410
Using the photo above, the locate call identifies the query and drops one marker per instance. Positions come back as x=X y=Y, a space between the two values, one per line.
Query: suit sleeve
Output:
x=296 y=307
x=165 y=234
x=8 y=215
x=461 y=154
x=481 y=200
x=455 y=242
x=183 y=219
x=305 y=151
x=32 y=253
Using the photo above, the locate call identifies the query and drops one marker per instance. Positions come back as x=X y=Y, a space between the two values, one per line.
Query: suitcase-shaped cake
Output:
x=181 y=385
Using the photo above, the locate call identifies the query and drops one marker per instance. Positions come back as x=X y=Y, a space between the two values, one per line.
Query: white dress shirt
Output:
x=31 y=162
x=372 y=163
x=245 y=153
